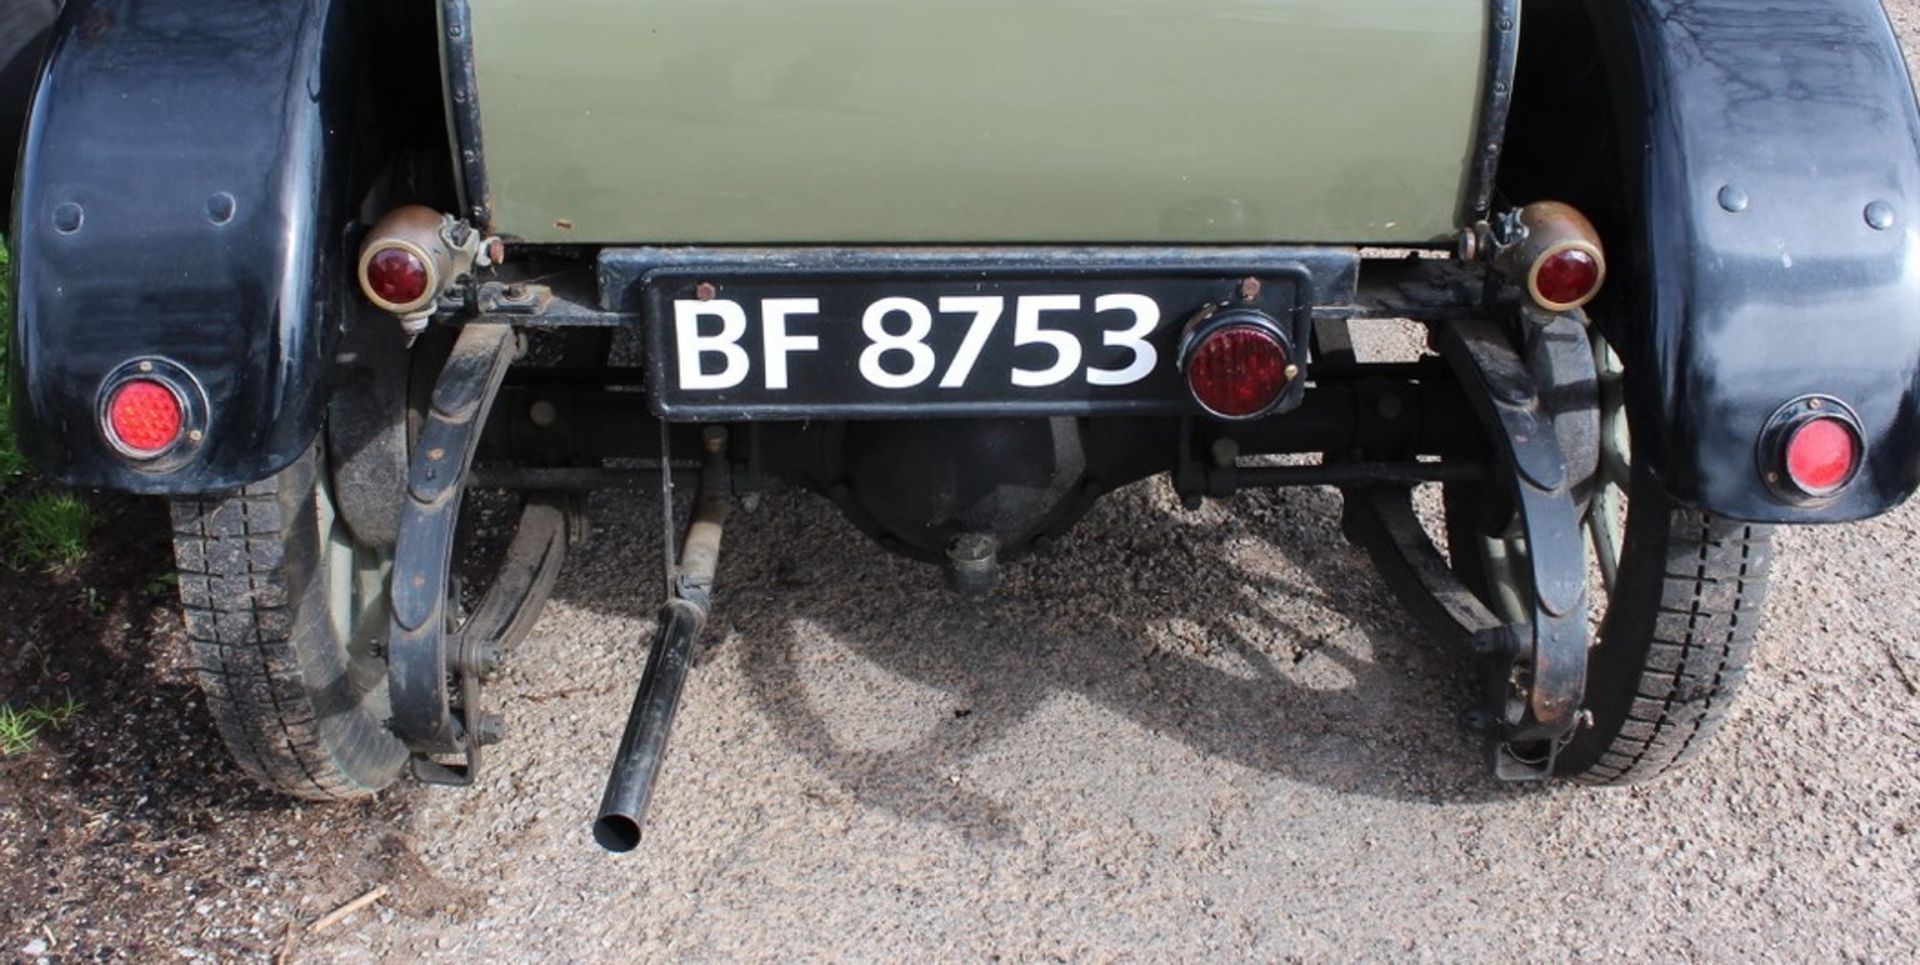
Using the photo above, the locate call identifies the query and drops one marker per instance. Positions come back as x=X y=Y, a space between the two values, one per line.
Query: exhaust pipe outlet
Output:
x=644 y=745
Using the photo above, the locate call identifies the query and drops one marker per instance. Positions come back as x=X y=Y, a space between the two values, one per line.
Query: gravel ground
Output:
x=1175 y=735
x=1179 y=735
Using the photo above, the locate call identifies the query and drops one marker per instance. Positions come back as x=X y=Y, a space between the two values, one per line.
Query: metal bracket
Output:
x=1552 y=673
x=428 y=655
x=1536 y=668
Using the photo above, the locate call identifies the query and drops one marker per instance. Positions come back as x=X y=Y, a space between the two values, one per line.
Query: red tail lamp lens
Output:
x=1822 y=455
x=1239 y=371
x=1567 y=277
x=396 y=276
x=145 y=416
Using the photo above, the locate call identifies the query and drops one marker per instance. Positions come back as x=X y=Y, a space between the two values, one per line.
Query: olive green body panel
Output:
x=982 y=121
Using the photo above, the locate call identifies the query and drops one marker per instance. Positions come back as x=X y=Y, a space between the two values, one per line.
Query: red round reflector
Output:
x=1821 y=455
x=1238 y=371
x=1567 y=277
x=396 y=276
x=145 y=416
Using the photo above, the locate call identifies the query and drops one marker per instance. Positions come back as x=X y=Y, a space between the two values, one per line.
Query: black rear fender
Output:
x=184 y=196
x=1754 y=139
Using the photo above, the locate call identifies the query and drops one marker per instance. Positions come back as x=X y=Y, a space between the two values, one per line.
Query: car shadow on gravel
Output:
x=1252 y=634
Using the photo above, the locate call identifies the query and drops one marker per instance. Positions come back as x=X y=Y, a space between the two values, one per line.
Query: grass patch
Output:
x=39 y=527
x=47 y=529
x=19 y=729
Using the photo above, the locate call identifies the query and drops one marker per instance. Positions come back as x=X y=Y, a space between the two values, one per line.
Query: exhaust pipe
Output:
x=644 y=746
x=623 y=809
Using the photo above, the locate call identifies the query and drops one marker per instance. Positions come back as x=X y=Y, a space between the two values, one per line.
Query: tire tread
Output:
x=240 y=605
x=1703 y=624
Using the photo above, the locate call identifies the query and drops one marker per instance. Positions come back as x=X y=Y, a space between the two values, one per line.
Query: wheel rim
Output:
x=1607 y=512
x=356 y=588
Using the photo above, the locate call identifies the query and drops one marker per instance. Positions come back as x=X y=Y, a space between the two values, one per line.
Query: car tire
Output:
x=285 y=615
x=1673 y=622
x=1673 y=627
x=1675 y=641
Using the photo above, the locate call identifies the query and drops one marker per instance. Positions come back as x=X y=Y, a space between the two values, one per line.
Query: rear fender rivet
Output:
x=68 y=218
x=1880 y=216
x=221 y=207
x=1734 y=199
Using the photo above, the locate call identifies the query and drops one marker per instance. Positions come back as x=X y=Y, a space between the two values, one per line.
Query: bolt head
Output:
x=1225 y=451
x=486 y=658
x=489 y=729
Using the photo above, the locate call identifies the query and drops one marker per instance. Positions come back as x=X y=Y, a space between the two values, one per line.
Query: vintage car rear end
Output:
x=316 y=270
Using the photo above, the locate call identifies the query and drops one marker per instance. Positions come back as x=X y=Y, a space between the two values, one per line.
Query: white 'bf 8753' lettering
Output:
x=898 y=354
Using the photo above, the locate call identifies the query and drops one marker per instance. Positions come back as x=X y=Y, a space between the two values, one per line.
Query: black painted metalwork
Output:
x=183 y=194
x=1771 y=242
x=1381 y=519
x=1335 y=271
x=1503 y=57
x=1535 y=673
x=834 y=389
x=1520 y=426
x=419 y=652
x=435 y=662
x=463 y=110
x=643 y=745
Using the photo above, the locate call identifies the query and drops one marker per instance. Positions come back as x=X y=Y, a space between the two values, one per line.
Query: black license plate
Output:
x=740 y=343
